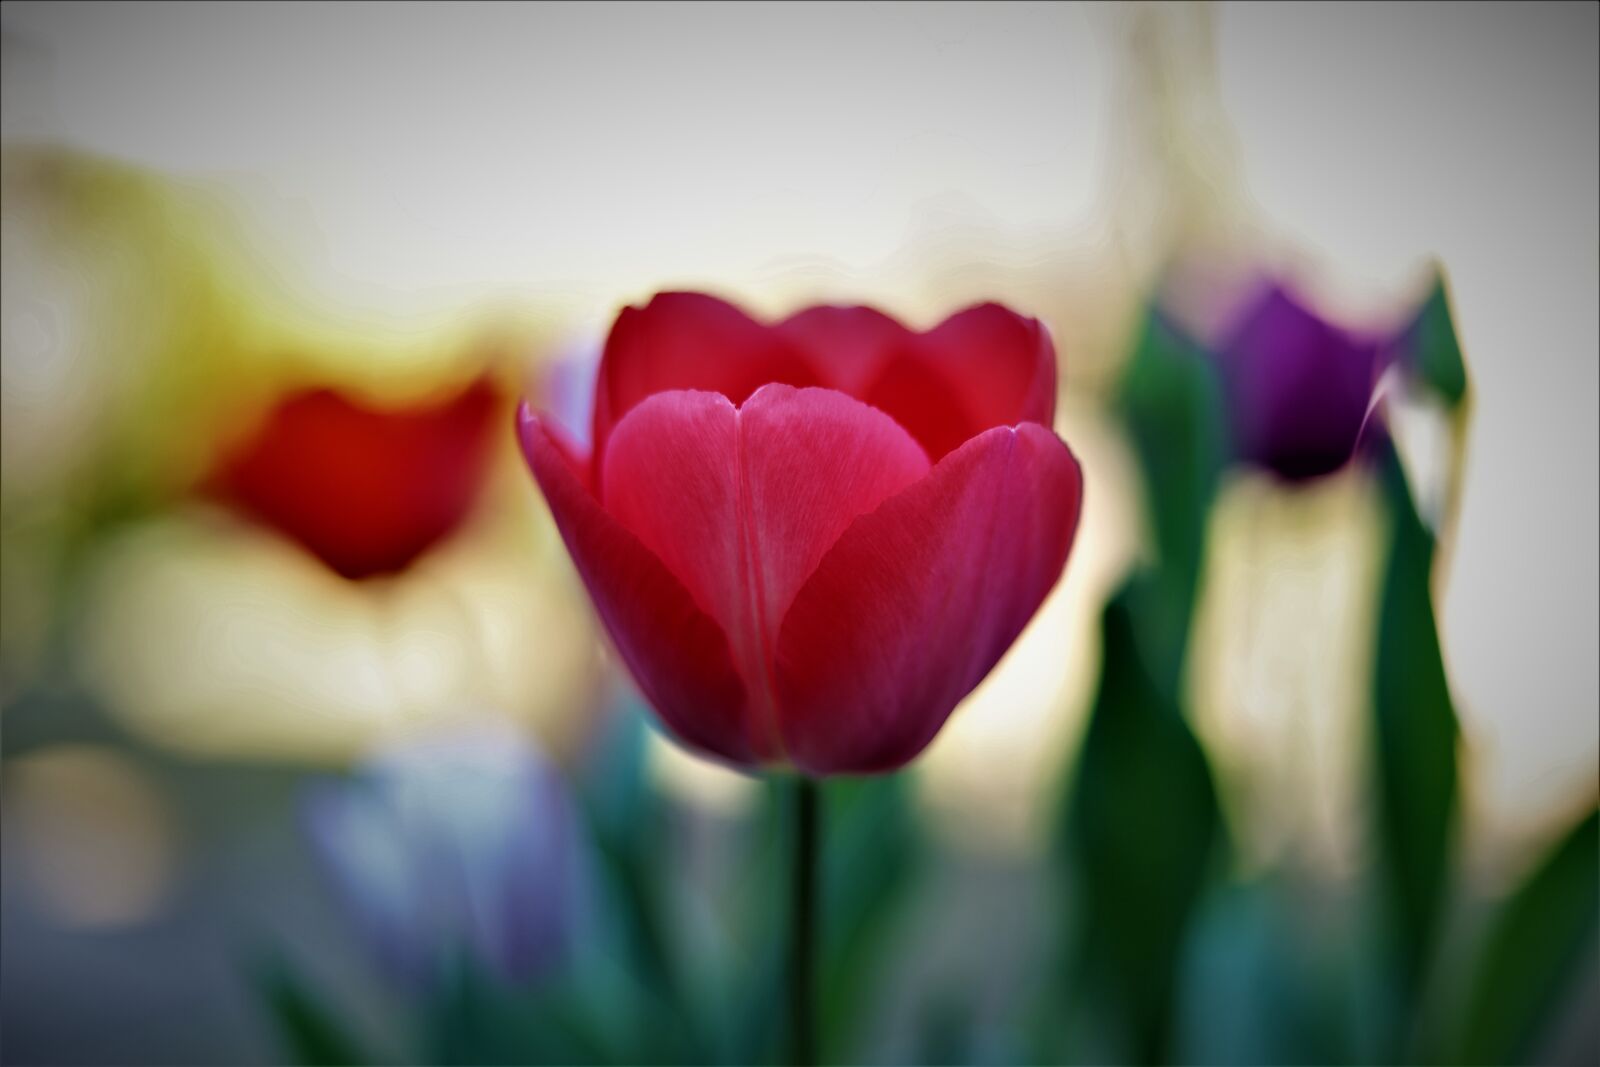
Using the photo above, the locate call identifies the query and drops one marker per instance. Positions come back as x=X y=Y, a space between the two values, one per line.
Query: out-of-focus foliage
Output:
x=1139 y=834
x=655 y=977
x=872 y=857
x=1541 y=935
x=1429 y=344
x=307 y=1022
x=1415 y=735
x=1171 y=403
x=1141 y=831
x=632 y=832
x=618 y=992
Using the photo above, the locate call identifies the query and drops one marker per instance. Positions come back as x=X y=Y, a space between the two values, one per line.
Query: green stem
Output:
x=803 y=927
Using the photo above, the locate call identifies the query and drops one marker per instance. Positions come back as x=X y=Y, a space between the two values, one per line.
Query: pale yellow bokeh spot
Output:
x=219 y=638
x=1280 y=664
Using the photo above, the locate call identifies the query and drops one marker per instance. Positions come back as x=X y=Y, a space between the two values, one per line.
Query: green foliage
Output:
x=1142 y=828
x=311 y=1034
x=582 y=1016
x=1429 y=345
x=627 y=826
x=1172 y=405
x=872 y=854
x=1414 y=735
x=1140 y=838
x=1535 y=944
x=946 y=1033
x=627 y=823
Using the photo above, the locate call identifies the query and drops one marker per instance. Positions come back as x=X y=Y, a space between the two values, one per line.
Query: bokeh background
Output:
x=210 y=208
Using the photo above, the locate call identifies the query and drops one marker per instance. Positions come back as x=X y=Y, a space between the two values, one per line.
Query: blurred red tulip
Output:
x=809 y=541
x=364 y=490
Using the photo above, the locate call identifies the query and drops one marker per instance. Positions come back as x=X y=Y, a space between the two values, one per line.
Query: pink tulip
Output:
x=808 y=541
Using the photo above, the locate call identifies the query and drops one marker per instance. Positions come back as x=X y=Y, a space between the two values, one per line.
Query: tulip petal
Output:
x=742 y=503
x=983 y=367
x=676 y=653
x=919 y=599
x=366 y=490
x=847 y=347
x=915 y=393
x=687 y=341
x=999 y=366
x=872 y=357
x=1299 y=387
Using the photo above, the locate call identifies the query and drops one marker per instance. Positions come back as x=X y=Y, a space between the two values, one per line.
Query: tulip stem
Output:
x=802 y=927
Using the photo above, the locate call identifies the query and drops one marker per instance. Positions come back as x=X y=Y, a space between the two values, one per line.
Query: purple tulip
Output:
x=454 y=844
x=1299 y=388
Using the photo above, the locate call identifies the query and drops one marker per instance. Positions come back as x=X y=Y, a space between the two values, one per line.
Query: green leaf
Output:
x=628 y=826
x=1140 y=839
x=1273 y=975
x=311 y=1034
x=758 y=911
x=1172 y=404
x=871 y=853
x=947 y=1031
x=1532 y=951
x=1429 y=345
x=614 y=783
x=1414 y=733
x=477 y=1018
